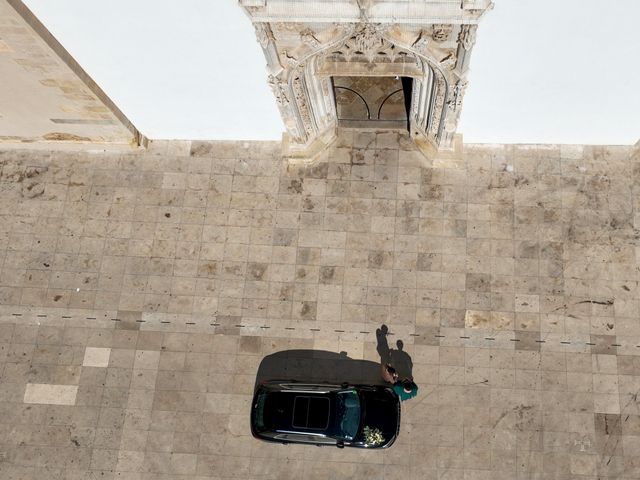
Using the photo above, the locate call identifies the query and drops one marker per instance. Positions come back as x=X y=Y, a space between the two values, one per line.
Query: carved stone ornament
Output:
x=367 y=40
x=263 y=34
x=308 y=37
x=449 y=61
x=467 y=36
x=288 y=59
x=457 y=94
x=301 y=101
x=368 y=44
x=441 y=32
x=421 y=42
x=307 y=43
x=278 y=91
x=434 y=124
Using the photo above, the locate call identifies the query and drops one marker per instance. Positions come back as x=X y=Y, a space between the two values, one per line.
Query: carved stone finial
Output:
x=367 y=40
x=278 y=90
x=421 y=42
x=289 y=59
x=263 y=34
x=449 y=61
x=441 y=32
x=467 y=36
x=457 y=94
x=309 y=38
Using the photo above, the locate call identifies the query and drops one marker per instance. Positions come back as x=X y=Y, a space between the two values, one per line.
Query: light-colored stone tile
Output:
x=50 y=394
x=146 y=359
x=606 y=403
x=96 y=357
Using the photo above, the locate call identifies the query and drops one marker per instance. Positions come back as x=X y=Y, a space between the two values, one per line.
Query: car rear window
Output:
x=258 y=412
x=311 y=413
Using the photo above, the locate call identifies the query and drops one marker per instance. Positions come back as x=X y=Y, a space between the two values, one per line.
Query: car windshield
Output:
x=348 y=414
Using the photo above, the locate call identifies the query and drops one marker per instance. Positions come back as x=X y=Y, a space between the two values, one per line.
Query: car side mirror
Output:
x=340 y=444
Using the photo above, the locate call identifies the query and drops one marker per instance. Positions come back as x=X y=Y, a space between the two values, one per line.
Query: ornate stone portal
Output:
x=309 y=42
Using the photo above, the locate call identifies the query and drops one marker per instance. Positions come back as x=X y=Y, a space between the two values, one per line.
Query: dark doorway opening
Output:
x=407 y=89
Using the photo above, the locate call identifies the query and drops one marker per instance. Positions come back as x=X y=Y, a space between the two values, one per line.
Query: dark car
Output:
x=364 y=416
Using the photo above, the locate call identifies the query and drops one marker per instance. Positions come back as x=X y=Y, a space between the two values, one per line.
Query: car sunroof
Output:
x=311 y=413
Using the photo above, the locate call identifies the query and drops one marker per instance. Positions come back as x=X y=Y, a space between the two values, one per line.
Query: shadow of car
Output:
x=318 y=366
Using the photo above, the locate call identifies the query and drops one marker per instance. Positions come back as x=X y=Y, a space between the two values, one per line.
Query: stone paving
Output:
x=139 y=293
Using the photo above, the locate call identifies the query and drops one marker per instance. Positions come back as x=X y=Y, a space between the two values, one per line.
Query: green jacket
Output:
x=399 y=389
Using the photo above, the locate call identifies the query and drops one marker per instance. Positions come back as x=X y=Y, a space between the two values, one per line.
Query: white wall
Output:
x=543 y=71
x=555 y=71
x=180 y=70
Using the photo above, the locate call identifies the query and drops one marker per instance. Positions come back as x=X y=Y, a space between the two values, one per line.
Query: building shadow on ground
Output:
x=318 y=366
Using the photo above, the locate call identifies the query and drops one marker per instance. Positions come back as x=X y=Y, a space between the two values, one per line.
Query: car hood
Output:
x=382 y=411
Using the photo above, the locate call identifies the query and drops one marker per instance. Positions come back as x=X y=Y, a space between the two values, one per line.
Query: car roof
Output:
x=298 y=411
x=311 y=412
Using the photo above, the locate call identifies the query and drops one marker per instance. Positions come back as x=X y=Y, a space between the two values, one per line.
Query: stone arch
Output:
x=313 y=102
x=294 y=35
x=297 y=78
x=431 y=123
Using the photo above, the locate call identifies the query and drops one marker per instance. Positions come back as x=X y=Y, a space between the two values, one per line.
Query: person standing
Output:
x=406 y=388
x=389 y=373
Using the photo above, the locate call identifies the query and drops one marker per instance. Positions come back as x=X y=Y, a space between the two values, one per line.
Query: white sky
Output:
x=542 y=71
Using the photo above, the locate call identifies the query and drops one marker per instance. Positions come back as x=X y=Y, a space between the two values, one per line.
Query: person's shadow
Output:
x=318 y=366
x=398 y=358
